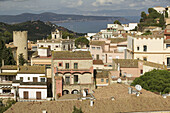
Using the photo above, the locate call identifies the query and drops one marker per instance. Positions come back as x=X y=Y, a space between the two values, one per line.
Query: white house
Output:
x=130 y=26
x=32 y=83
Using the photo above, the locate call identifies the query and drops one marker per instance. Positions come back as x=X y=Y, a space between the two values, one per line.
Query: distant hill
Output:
x=53 y=17
x=37 y=30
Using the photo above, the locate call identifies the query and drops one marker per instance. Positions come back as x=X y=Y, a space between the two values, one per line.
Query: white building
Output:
x=153 y=48
x=130 y=26
x=32 y=85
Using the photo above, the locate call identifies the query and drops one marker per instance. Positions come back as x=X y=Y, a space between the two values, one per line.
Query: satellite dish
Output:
x=138 y=87
x=119 y=80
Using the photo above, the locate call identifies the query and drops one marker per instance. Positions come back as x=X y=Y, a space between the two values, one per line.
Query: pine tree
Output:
x=22 y=61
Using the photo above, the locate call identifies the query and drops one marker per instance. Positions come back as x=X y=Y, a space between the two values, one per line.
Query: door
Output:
x=35 y=79
x=25 y=94
x=75 y=79
x=97 y=57
x=38 y=95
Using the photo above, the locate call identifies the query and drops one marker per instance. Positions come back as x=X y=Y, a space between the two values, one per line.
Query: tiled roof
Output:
x=127 y=63
x=97 y=43
x=152 y=64
x=118 y=40
x=103 y=74
x=32 y=69
x=9 y=67
x=9 y=74
x=71 y=55
x=133 y=63
x=98 y=62
x=9 y=45
x=124 y=102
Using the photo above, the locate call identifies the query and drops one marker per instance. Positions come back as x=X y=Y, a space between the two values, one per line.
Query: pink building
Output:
x=129 y=69
x=106 y=50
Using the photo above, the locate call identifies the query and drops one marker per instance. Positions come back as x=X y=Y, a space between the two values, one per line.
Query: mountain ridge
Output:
x=54 y=17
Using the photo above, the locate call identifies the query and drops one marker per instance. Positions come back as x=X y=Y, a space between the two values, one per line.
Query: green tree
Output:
x=65 y=34
x=81 y=41
x=6 y=54
x=143 y=15
x=166 y=14
x=117 y=22
x=155 y=81
x=49 y=36
x=76 y=110
x=22 y=61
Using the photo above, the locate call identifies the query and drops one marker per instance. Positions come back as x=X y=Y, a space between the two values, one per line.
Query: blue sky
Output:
x=86 y=7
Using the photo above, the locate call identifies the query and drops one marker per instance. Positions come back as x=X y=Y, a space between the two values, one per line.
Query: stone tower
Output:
x=20 y=41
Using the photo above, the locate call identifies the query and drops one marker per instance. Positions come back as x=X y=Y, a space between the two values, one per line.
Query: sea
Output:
x=93 y=26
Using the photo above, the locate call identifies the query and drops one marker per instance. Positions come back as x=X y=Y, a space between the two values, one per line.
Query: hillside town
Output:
x=102 y=76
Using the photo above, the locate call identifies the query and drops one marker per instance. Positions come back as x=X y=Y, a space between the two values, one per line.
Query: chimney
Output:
x=18 y=68
x=91 y=103
x=118 y=67
x=84 y=93
x=130 y=90
x=3 y=62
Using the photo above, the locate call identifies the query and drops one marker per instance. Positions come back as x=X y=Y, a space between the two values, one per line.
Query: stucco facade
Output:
x=76 y=73
x=153 y=49
x=106 y=50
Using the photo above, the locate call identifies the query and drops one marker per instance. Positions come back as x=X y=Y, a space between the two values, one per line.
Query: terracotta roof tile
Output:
x=98 y=62
x=32 y=69
x=71 y=55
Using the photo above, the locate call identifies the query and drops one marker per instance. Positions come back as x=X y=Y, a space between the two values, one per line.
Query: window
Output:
x=102 y=80
x=75 y=65
x=41 y=45
x=21 y=78
x=67 y=80
x=25 y=47
x=167 y=45
x=97 y=57
x=56 y=46
x=141 y=71
x=138 y=48
x=60 y=64
x=107 y=80
x=42 y=79
x=144 y=58
x=47 y=66
x=98 y=48
x=75 y=78
x=93 y=47
x=144 y=48
x=67 y=66
x=28 y=78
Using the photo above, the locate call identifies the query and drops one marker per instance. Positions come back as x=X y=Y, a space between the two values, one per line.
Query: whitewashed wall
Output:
x=32 y=92
x=25 y=77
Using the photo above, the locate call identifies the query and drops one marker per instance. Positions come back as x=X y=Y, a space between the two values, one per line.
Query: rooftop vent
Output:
x=130 y=90
x=91 y=102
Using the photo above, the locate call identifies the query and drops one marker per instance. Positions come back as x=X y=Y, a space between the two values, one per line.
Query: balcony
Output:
x=73 y=70
x=5 y=82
